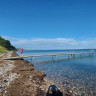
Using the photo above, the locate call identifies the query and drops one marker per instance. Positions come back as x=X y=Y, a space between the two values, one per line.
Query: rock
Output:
x=5 y=80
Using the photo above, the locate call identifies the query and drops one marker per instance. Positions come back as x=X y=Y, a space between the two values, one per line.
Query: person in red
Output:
x=21 y=52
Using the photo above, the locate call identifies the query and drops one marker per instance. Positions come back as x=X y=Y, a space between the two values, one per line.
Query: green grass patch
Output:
x=3 y=50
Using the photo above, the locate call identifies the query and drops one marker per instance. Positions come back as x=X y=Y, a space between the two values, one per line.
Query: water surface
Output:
x=77 y=74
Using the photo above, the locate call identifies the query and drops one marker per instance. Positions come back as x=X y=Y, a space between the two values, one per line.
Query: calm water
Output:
x=77 y=74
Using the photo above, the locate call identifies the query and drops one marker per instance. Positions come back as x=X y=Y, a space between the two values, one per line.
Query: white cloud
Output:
x=9 y=38
x=57 y=43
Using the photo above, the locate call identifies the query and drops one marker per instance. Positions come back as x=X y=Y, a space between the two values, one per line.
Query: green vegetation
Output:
x=6 y=45
x=3 y=50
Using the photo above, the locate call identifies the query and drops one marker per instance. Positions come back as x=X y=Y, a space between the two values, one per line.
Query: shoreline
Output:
x=20 y=78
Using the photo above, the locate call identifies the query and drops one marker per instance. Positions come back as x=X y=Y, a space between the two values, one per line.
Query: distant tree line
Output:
x=6 y=44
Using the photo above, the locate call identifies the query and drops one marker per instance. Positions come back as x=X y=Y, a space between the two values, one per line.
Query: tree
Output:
x=6 y=44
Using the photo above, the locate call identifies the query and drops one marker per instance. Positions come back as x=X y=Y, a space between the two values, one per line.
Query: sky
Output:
x=49 y=24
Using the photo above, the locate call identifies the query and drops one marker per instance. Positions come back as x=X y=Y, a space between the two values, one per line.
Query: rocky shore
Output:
x=19 y=78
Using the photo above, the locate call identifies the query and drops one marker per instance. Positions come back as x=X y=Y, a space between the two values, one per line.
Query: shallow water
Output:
x=77 y=74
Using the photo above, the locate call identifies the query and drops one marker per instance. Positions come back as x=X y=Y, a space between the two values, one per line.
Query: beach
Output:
x=19 y=78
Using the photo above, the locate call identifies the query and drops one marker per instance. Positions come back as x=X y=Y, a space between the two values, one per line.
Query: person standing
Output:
x=21 y=52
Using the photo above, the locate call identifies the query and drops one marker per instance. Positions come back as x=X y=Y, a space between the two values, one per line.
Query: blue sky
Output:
x=49 y=24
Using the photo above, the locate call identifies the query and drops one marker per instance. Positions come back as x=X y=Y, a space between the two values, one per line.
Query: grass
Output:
x=3 y=50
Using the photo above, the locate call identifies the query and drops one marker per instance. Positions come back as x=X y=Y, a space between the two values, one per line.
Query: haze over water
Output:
x=77 y=74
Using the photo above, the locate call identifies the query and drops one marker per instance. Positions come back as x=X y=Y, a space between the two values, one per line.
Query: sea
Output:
x=74 y=73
